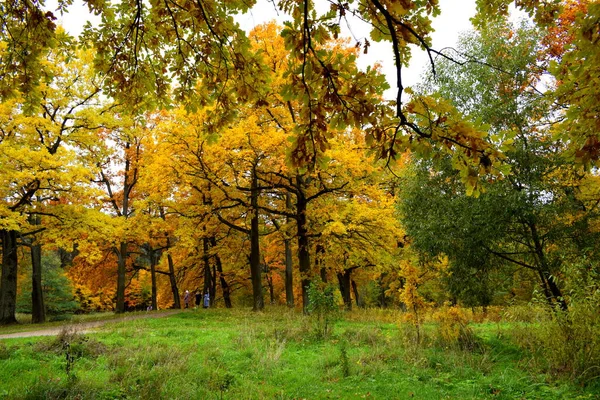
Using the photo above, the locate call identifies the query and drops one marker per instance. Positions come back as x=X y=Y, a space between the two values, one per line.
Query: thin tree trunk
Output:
x=269 y=279
x=545 y=270
x=8 y=281
x=173 y=282
x=207 y=272
x=344 y=282
x=289 y=266
x=319 y=262
x=255 y=270
x=545 y=288
x=356 y=294
x=382 y=302
x=153 y=262
x=224 y=285
x=38 y=309
x=122 y=260
x=303 y=253
x=556 y=292
x=213 y=285
x=172 y=277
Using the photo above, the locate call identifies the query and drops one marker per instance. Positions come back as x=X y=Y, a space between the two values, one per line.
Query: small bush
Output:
x=453 y=329
x=531 y=313
x=322 y=307
x=344 y=360
x=79 y=345
x=221 y=381
x=567 y=344
x=4 y=352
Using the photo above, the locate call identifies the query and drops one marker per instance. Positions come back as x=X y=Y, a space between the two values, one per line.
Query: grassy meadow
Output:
x=277 y=354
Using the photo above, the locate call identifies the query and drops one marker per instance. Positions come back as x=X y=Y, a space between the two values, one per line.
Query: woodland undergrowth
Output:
x=278 y=353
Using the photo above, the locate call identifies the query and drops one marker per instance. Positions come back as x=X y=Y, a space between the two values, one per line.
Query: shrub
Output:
x=323 y=307
x=567 y=344
x=453 y=329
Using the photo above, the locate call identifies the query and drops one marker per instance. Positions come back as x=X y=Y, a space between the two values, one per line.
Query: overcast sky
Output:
x=453 y=20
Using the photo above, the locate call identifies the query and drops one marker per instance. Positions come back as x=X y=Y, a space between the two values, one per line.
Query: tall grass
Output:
x=237 y=354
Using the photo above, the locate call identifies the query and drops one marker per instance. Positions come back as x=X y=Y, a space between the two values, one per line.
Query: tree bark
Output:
x=356 y=294
x=207 y=273
x=173 y=282
x=269 y=279
x=38 y=309
x=289 y=274
x=224 y=285
x=344 y=282
x=213 y=285
x=153 y=262
x=172 y=277
x=545 y=270
x=8 y=281
x=319 y=252
x=255 y=270
x=382 y=302
x=303 y=253
x=289 y=266
x=556 y=292
x=122 y=260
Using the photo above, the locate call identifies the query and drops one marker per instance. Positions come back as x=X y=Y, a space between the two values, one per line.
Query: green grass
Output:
x=236 y=354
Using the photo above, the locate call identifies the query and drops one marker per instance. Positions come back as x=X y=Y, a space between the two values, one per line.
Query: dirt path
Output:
x=86 y=327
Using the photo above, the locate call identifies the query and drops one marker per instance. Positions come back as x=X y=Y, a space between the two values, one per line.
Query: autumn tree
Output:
x=46 y=149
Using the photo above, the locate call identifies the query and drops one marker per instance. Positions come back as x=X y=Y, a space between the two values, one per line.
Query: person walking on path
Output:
x=198 y=299
x=186 y=298
x=206 y=300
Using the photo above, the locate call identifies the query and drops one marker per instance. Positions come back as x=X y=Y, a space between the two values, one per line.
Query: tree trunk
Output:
x=556 y=292
x=357 y=297
x=224 y=285
x=545 y=288
x=319 y=262
x=545 y=270
x=173 y=281
x=269 y=279
x=207 y=273
x=255 y=270
x=122 y=259
x=289 y=271
x=344 y=282
x=8 y=281
x=213 y=285
x=382 y=302
x=153 y=262
x=303 y=253
x=38 y=310
x=289 y=274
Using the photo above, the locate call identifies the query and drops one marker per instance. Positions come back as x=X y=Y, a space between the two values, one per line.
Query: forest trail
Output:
x=86 y=327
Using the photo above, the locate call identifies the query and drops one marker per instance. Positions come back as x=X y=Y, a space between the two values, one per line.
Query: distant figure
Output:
x=198 y=298
x=206 y=300
x=149 y=308
x=186 y=298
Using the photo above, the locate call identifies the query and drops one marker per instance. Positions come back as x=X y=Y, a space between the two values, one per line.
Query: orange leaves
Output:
x=563 y=31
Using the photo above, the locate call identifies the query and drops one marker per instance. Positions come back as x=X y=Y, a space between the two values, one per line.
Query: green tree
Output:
x=528 y=218
x=56 y=286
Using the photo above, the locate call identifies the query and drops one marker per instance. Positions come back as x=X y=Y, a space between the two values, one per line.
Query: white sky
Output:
x=453 y=20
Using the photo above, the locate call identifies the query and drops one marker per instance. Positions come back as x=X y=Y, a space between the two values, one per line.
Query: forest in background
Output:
x=167 y=150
